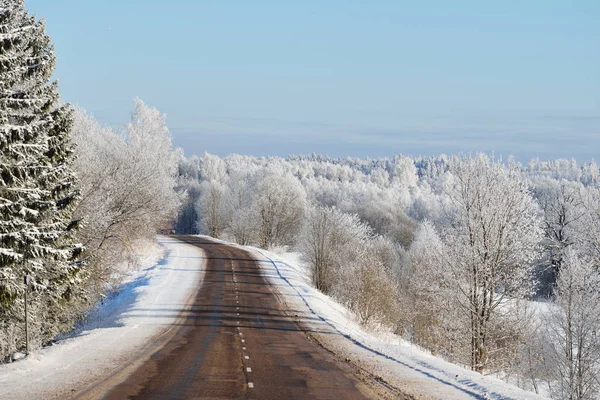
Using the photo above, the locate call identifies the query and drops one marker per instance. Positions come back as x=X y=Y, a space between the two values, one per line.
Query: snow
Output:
x=388 y=356
x=141 y=315
x=128 y=324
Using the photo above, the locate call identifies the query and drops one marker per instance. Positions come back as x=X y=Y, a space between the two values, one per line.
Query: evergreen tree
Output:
x=37 y=185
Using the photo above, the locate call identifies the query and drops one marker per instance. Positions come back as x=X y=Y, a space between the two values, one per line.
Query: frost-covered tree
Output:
x=563 y=209
x=589 y=239
x=491 y=244
x=404 y=171
x=428 y=316
x=37 y=186
x=239 y=212
x=349 y=262
x=128 y=187
x=211 y=209
x=573 y=330
x=327 y=236
x=187 y=217
x=279 y=207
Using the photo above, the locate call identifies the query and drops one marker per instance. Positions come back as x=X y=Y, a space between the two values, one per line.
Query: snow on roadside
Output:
x=142 y=311
x=386 y=355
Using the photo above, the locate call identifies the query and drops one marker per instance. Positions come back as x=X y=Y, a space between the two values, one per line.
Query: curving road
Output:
x=237 y=341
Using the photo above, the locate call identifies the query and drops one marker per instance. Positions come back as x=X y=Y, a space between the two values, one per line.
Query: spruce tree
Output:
x=37 y=185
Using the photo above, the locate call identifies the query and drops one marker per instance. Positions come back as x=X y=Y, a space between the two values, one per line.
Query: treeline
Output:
x=76 y=199
x=489 y=264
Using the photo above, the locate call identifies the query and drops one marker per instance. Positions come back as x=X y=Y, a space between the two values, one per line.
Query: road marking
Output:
x=250 y=385
x=243 y=341
x=241 y=333
x=238 y=322
x=238 y=313
x=248 y=369
x=246 y=357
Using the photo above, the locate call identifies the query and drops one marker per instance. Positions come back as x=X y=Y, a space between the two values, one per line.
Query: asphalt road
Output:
x=238 y=341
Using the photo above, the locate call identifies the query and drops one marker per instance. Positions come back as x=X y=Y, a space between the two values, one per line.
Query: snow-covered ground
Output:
x=140 y=316
x=128 y=324
x=386 y=355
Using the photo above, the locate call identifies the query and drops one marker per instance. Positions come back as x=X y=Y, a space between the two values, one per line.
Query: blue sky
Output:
x=344 y=78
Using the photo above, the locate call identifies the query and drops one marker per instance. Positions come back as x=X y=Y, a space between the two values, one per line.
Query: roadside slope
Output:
x=393 y=360
x=133 y=322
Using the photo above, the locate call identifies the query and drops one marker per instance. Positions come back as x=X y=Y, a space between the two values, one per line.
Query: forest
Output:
x=483 y=261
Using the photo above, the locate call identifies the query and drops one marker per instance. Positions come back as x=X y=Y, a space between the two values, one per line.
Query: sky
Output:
x=340 y=77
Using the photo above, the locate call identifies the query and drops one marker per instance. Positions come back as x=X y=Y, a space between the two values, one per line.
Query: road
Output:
x=238 y=341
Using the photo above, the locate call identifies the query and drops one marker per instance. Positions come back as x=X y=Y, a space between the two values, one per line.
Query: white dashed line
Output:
x=248 y=369
x=246 y=357
x=243 y=341
x=250 y=385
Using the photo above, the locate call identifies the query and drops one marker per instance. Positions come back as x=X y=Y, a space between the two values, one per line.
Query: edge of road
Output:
x=376 y=386
x=96 y=388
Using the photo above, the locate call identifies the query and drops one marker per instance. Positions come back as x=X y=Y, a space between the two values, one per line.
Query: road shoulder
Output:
x=145 y=310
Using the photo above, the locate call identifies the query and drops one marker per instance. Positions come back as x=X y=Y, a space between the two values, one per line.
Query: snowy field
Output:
x=386 y=355
x=132 y=322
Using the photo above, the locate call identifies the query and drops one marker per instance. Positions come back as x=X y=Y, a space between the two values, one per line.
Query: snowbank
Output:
x=128 y=324
x=384 y=354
